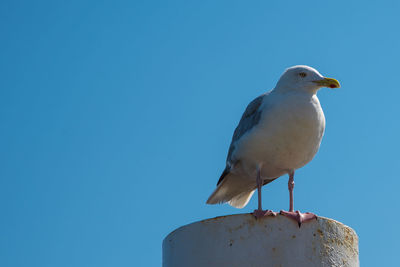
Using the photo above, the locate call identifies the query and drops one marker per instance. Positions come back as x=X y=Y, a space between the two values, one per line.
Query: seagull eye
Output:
x=302 y=74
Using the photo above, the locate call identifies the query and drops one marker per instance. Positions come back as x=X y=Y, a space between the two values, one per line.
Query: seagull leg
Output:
x=291 y=187
x=259 y=213
x=296 y=215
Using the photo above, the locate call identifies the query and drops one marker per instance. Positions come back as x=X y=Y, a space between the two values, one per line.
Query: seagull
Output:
x=279 y=132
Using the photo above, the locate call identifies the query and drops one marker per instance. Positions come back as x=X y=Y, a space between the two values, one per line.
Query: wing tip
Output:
x=224 y=173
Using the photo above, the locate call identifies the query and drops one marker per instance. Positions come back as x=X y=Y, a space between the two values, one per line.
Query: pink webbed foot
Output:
x=262 y=213
x=298 y=216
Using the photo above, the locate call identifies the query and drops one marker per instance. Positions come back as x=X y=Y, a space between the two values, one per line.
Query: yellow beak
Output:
x=328 y=82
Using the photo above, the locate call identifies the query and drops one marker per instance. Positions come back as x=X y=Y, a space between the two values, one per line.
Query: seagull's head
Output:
x=304 y=78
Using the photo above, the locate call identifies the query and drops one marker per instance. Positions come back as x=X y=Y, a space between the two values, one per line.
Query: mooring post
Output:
x=241 y=240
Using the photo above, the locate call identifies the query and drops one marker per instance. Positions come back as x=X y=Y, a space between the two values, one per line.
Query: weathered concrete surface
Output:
x=241 y=240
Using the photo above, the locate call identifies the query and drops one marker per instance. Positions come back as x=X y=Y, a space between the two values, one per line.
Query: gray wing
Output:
x=250 y=118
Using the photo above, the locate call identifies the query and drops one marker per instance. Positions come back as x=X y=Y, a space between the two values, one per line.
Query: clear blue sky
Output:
x=116 y=117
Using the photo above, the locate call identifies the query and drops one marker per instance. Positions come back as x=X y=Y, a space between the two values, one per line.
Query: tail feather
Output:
x=241 y=200
x=233 y=189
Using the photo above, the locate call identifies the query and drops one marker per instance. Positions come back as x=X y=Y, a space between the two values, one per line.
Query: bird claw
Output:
x=262 y=213
x=298 y=216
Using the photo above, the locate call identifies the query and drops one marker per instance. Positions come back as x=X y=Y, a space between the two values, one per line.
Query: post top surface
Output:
x=248 y=218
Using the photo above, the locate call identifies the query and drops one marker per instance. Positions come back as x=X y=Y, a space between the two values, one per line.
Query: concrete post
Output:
x=241 y=240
